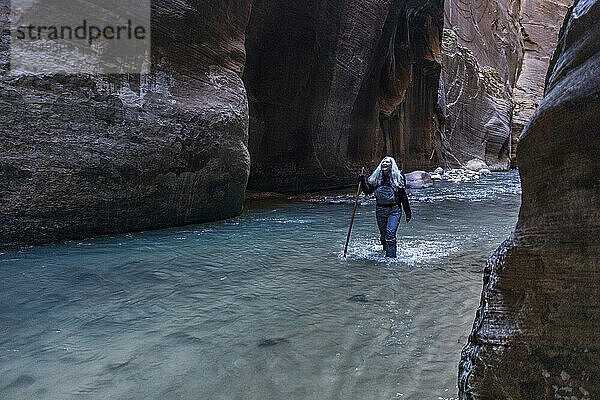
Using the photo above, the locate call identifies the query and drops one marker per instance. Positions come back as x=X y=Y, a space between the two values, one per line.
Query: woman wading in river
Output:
x=389 y=184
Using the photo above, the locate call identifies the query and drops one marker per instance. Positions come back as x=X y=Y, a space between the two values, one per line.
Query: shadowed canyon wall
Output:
x=334 y=84
x=535 y=335
x=87 y=155
x=337 y=84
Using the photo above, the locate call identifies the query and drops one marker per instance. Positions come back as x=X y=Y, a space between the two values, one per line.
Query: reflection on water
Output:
x=262 y=306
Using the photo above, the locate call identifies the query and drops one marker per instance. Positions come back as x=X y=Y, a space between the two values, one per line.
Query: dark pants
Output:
x=388 y=219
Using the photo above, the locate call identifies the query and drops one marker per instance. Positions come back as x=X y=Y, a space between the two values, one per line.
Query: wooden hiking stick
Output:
x=362 y=172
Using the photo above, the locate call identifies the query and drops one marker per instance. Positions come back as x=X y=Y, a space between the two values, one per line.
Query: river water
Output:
x=261 y=306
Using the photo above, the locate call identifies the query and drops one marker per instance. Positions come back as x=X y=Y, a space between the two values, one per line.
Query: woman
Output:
x=389 y=184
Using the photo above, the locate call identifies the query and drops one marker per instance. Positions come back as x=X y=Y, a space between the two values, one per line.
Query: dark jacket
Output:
x=400 y=194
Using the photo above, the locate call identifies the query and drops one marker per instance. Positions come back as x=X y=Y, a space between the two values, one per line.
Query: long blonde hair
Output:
x=396 y=176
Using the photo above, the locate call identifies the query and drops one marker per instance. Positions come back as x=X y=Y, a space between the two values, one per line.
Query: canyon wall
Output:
x=495 y=57
x=481 y=58
x=540 y=25
x=334 y=85
x=535 y=335
x=84 y=155
x=479 y=107
x=309 y=91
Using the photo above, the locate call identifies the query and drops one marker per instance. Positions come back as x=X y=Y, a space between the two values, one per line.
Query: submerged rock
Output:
x=359 y=298
x=272 y=342
x=535 y=335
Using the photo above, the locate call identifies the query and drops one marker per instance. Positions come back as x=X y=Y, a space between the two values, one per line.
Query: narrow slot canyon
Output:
x=153 y=171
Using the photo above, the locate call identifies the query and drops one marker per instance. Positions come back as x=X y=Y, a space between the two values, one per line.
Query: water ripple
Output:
x=259 y=306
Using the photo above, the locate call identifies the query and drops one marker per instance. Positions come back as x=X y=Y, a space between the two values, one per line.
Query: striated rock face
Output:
x=478 y=106
x=535 y=335
x=481 y=58
x=490 y=29
x=87 y=155
x=334 y=85
x=540 y=24
x=495 y=57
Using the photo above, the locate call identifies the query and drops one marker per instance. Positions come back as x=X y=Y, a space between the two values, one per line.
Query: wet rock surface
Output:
x=535 y=333
x=463 y=175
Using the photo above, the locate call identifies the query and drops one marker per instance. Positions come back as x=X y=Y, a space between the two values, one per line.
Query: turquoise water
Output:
x=262 y=306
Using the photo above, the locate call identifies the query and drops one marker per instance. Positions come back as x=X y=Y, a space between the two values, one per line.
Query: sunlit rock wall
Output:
x=88 y=155
x=481 y=61
x=478 y=105
x=335 y=85
x=491 y=30
x=540 y=24
x=490 y=101
x=535 y=334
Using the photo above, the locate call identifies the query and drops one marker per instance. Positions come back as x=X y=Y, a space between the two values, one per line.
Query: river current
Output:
x=261 y=306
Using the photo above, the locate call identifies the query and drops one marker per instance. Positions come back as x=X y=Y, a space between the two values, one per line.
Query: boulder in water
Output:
x=484 y=172
x=476 y=164
x=439 y=171
x=418 y=180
